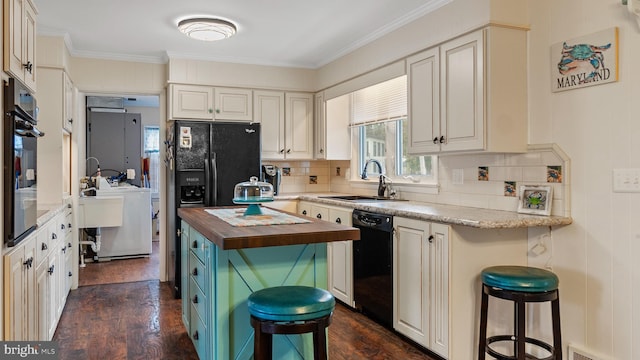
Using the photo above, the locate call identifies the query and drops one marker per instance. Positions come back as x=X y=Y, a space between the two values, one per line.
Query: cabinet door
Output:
x=340 y=261
x=30 y=301
x=68 y=242
x=191 y=102
x=54 y=291
x=13 y=35
x=320 y=145
x=270 y=114
x=298 y=126
x=133 y=146
x=320 y=212
x=462 y=86
x=185 y=245
x=233 y=104
x=338 y=133
x=424 y=101
x=19 y=41
x=43 y=306
x=411 y=279
x=29 y=50
x=15 y=296
x=439 y=289
x=67 y=117
x=304 y=208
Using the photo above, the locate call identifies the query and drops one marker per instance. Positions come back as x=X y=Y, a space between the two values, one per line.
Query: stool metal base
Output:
x=265 y=329
x=528 y=340
x=519 y=338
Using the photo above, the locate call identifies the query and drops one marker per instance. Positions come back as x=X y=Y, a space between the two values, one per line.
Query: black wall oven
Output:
x=20 y=162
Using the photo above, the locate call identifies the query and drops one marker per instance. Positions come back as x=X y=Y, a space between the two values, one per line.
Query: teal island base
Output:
x=216 y=283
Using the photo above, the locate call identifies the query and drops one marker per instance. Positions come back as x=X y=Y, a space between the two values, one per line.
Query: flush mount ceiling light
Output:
x=207 y=29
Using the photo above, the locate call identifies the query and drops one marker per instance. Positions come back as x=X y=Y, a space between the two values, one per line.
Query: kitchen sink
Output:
x=360 y=198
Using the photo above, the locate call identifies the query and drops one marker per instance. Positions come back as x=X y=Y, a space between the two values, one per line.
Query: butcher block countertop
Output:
x=226 y=236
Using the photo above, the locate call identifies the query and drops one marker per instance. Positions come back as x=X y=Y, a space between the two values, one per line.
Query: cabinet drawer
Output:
x=197 y=245
x=196 y=270
x=198 y=300
x=198 y=334
x=45 y=241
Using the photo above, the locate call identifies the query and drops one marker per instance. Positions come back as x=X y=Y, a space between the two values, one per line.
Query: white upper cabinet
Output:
x=333 y=135
x=298 y=126
x=424 y=99
x=233 y=104
x=462 y=111
x=270 y=114
x=20 y=41
x=200 y=102
x=470 y=94
x=320 y=145
x=68 y=98
x=286 y=124
x=190 y=102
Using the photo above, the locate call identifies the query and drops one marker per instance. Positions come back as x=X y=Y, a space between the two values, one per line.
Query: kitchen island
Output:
x=223 y=264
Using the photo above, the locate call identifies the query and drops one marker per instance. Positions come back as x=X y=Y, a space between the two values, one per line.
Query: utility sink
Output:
x=100 y=211
x=361 y=198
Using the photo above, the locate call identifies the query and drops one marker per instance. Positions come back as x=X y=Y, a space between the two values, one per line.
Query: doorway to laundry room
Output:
x=122 y=163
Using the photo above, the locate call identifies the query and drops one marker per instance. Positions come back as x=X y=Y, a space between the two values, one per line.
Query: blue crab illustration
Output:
x=573 y=55
x=535 y=200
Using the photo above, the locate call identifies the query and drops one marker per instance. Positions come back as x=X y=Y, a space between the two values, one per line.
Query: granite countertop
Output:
x=447 y=214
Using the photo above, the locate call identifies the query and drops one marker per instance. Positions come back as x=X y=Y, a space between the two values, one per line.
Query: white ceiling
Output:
x=293 y=33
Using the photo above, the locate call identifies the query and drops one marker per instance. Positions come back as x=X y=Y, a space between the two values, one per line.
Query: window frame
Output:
x=358 y=135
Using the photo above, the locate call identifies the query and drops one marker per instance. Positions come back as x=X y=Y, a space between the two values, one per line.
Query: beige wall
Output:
x=598 y=127
x=240 y=75
x=445 y=23
x=117 y=77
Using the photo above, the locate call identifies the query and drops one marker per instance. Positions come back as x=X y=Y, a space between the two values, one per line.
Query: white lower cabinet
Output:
x=339 y=253
x=20 y=323
x=421 y=285
x=36 y=275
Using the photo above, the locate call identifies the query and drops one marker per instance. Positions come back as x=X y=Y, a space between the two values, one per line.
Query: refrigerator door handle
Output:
x=207 y=188
x=214 y=175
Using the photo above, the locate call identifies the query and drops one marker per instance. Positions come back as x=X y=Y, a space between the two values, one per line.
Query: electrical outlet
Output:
x=626 y=180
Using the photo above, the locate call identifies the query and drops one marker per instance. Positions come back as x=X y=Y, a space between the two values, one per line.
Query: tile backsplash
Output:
x=492 y=181
x=488 y=181
x=303 y=176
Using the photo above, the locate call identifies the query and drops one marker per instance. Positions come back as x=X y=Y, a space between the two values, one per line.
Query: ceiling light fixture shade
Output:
x=207 y=29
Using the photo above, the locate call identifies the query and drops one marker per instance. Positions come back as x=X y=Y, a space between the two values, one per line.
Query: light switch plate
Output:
x=458 y=177
x=626 y=180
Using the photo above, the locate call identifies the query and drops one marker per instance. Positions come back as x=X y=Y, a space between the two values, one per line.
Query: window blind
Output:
x=381 y=102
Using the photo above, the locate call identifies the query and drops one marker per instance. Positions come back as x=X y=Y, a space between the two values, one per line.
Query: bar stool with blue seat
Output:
x=290 y=310
x=522 y=285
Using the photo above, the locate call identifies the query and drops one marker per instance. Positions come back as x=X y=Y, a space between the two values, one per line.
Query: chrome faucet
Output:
x=382 y=182
x=83 y=191
x=384 y=185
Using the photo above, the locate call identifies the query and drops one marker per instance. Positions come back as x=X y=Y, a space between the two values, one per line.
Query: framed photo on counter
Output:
x=535 y=199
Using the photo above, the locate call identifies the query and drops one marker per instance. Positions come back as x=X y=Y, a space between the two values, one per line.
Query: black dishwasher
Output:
x=373 y=265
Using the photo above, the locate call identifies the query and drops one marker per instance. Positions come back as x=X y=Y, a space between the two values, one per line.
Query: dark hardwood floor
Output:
x=115 y=318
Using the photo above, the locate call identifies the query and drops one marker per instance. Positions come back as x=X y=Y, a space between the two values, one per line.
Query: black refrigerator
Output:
x=206 y=160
